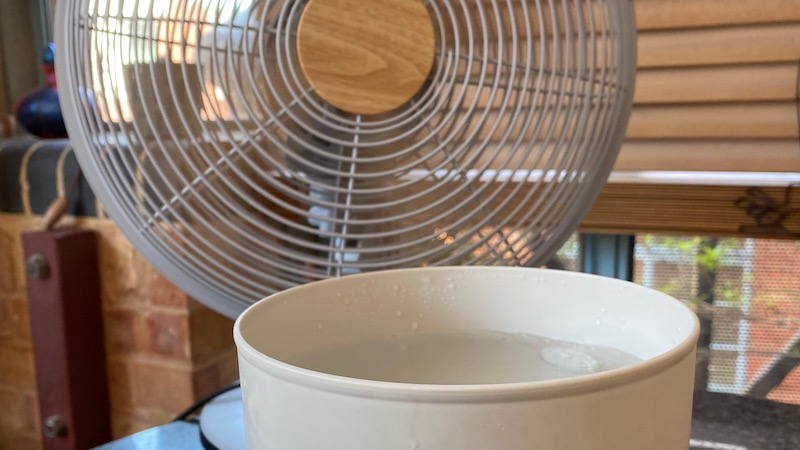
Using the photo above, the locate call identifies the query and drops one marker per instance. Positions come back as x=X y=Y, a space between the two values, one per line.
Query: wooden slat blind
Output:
x=701 y=210
x=671 y=14
x=716 y=90
x=717 y=86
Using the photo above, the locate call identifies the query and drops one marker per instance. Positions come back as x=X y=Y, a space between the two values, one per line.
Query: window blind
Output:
x=717 y=87
x=713 y=145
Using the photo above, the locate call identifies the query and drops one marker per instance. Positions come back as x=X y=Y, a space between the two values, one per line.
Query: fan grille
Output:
x=197 y=129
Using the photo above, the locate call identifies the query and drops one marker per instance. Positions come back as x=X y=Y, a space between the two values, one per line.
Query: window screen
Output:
x=747 y=295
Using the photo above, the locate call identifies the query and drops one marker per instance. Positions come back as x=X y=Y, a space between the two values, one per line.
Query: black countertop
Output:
x=720 y=422
x=740 y=423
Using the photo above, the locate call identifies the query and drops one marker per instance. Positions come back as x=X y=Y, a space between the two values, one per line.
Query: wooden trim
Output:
x=685 y=209
x=67 y=334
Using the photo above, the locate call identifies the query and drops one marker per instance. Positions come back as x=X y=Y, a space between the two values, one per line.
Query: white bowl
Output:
x=642 y=406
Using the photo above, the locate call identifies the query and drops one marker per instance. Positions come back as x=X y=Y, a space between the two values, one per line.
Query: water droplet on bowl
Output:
x=414 y=325
x=598 y=321
x=398 y=313
x=319 y=325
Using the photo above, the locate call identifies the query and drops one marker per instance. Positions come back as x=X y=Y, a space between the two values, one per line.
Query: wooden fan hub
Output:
x=366 y=56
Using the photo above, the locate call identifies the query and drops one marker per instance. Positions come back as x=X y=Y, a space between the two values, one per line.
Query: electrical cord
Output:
x=190 y=411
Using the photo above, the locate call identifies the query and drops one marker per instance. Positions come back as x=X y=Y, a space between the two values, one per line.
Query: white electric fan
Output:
x=247 y=146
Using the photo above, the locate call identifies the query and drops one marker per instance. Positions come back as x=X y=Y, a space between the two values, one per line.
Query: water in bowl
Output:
x=464 y=357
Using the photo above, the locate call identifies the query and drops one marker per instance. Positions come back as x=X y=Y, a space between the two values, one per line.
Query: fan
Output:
x=247 y=146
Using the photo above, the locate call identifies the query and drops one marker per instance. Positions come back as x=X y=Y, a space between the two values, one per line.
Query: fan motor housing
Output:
x=366 y=57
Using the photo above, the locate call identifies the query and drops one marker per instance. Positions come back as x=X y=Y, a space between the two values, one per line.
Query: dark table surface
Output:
x=720 y=422
x=742 y=423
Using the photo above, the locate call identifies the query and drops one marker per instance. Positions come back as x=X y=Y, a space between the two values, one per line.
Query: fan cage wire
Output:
x=191 y=223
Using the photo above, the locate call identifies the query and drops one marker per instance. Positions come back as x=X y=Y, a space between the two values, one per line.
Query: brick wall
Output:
x=776 y=307
x=164 y=349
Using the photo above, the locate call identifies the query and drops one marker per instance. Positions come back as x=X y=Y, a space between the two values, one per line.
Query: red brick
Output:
x=125 y=425
x=21 y=416
x=21 y=321
x=119 y=385
x=123 y=272
x=168 y=335
x=6 y=320
x=789 y=390
x=15 y=327
x=32 y=401
x=792 y=381
x=152 y=418
x=165 y=294
x=10 y=268
x=161 y=387
x=15 y=442
x=229 y=368
x=120 y=425
x=220 y=372
x=211 y=335
x=206 y=381
x=16 y=368
x=120 y=329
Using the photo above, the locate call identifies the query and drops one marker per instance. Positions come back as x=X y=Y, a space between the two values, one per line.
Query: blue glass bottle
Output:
x=40 y=112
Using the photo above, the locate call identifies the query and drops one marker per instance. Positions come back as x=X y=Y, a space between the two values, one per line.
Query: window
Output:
x=747 y=291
